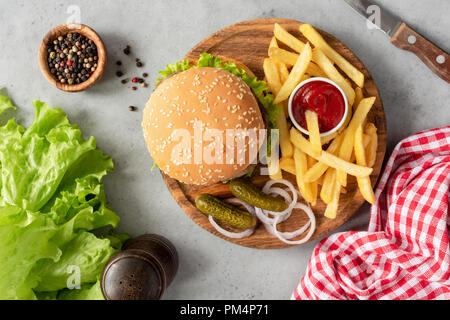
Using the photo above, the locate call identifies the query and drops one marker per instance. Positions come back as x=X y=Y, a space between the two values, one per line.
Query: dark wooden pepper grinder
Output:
x=142 y=271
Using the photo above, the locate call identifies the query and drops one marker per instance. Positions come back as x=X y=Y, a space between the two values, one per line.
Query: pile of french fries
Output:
x=320 y=161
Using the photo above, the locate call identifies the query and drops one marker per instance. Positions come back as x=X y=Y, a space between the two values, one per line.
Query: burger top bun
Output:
x=187 y=114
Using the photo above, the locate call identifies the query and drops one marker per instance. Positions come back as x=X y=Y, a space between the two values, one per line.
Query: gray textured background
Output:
x=160 y=32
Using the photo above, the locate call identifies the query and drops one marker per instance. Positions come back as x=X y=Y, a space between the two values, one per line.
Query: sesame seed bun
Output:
x=214 y=100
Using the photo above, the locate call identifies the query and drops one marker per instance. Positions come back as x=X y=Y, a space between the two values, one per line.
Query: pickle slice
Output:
x=224 y=212
x=246 y=191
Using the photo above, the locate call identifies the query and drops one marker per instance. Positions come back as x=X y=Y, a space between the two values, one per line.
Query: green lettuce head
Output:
x=51 y=199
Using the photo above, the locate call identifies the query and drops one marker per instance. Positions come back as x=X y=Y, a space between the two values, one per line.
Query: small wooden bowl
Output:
x=62 y=30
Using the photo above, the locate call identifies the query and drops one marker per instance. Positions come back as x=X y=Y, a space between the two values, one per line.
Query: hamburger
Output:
x=191 y=117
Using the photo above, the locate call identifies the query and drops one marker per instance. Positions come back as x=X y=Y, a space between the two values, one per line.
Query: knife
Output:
x=404 y=37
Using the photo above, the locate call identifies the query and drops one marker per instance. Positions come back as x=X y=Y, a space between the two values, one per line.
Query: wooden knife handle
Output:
x=435 y=58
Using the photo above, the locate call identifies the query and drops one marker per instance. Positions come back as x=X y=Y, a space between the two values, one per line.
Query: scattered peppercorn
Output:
x=72 y=58
x=132 y=108
x=139 y=63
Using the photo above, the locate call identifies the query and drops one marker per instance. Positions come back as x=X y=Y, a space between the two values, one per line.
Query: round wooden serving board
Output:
x=248 y=42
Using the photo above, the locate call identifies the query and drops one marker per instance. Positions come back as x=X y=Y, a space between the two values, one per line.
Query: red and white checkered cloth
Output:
x=405 y=252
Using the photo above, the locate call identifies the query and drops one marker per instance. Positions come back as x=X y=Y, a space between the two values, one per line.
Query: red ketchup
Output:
x=324 y=99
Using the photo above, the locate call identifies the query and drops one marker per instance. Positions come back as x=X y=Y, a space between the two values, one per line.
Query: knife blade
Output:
x=404 y=37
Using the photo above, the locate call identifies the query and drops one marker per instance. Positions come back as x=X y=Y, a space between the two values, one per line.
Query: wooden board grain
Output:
x=248 y=42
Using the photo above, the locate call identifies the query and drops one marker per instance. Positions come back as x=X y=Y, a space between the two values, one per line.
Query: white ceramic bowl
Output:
x=301 y=84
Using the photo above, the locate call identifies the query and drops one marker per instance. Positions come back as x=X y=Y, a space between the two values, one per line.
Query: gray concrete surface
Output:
x=161 y=32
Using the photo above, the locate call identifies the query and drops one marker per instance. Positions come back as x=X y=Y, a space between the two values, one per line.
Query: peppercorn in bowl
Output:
x=72 y=57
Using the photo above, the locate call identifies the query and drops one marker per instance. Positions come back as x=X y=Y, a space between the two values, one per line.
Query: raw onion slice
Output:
x=235 y=235
x=271 y=219
x=229 y=234
x=263 y=217
x=267 y=188
x=275 y=191
x=238 y=201
x=285 y=236
x=269 y=228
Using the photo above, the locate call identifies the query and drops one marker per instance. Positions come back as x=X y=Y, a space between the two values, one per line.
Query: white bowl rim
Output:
x=297 y=125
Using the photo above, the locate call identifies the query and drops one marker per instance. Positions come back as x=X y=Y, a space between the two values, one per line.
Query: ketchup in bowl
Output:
x=322 y=97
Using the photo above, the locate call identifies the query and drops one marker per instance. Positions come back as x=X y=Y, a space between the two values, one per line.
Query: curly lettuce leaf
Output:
x=86 y=292
x=51 y=199
x=173 y=68
x=5 y=104
x=85 y=251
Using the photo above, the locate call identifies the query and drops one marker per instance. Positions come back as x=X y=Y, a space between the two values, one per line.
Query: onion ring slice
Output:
x=229 y=234
x=267 y=188
x=285 y=236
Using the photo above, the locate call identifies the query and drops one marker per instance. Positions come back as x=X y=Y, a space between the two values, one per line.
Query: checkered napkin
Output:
x=405 y=252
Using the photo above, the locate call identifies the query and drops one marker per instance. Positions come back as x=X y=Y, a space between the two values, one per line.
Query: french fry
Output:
x=314 y=71
x=347 y=120
x=274 y=171
x=320 y=181
x=287 y=38
x=303 y=78
x=273 y=163
x=364 y=183
x=351 y=109
x=328 y=138
x=284 y=56
x=313 y=185
x=327 y=158
x=316 y=171
x=329 y=181
x=282 y=68
x=358 y=97
x=312 y=122
x=272 y=76
x=289 y=59
x=273 y=81
x=332 y=207
x=366 y=141
x=288 y=165
x=317 y=40
x=296 y=74
x=285 y=106
x=327 y=66
x=371 y=149
x=287 y=150
x=283 y=71
x=301 y=165
x=345 y=151
x=273 y=43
